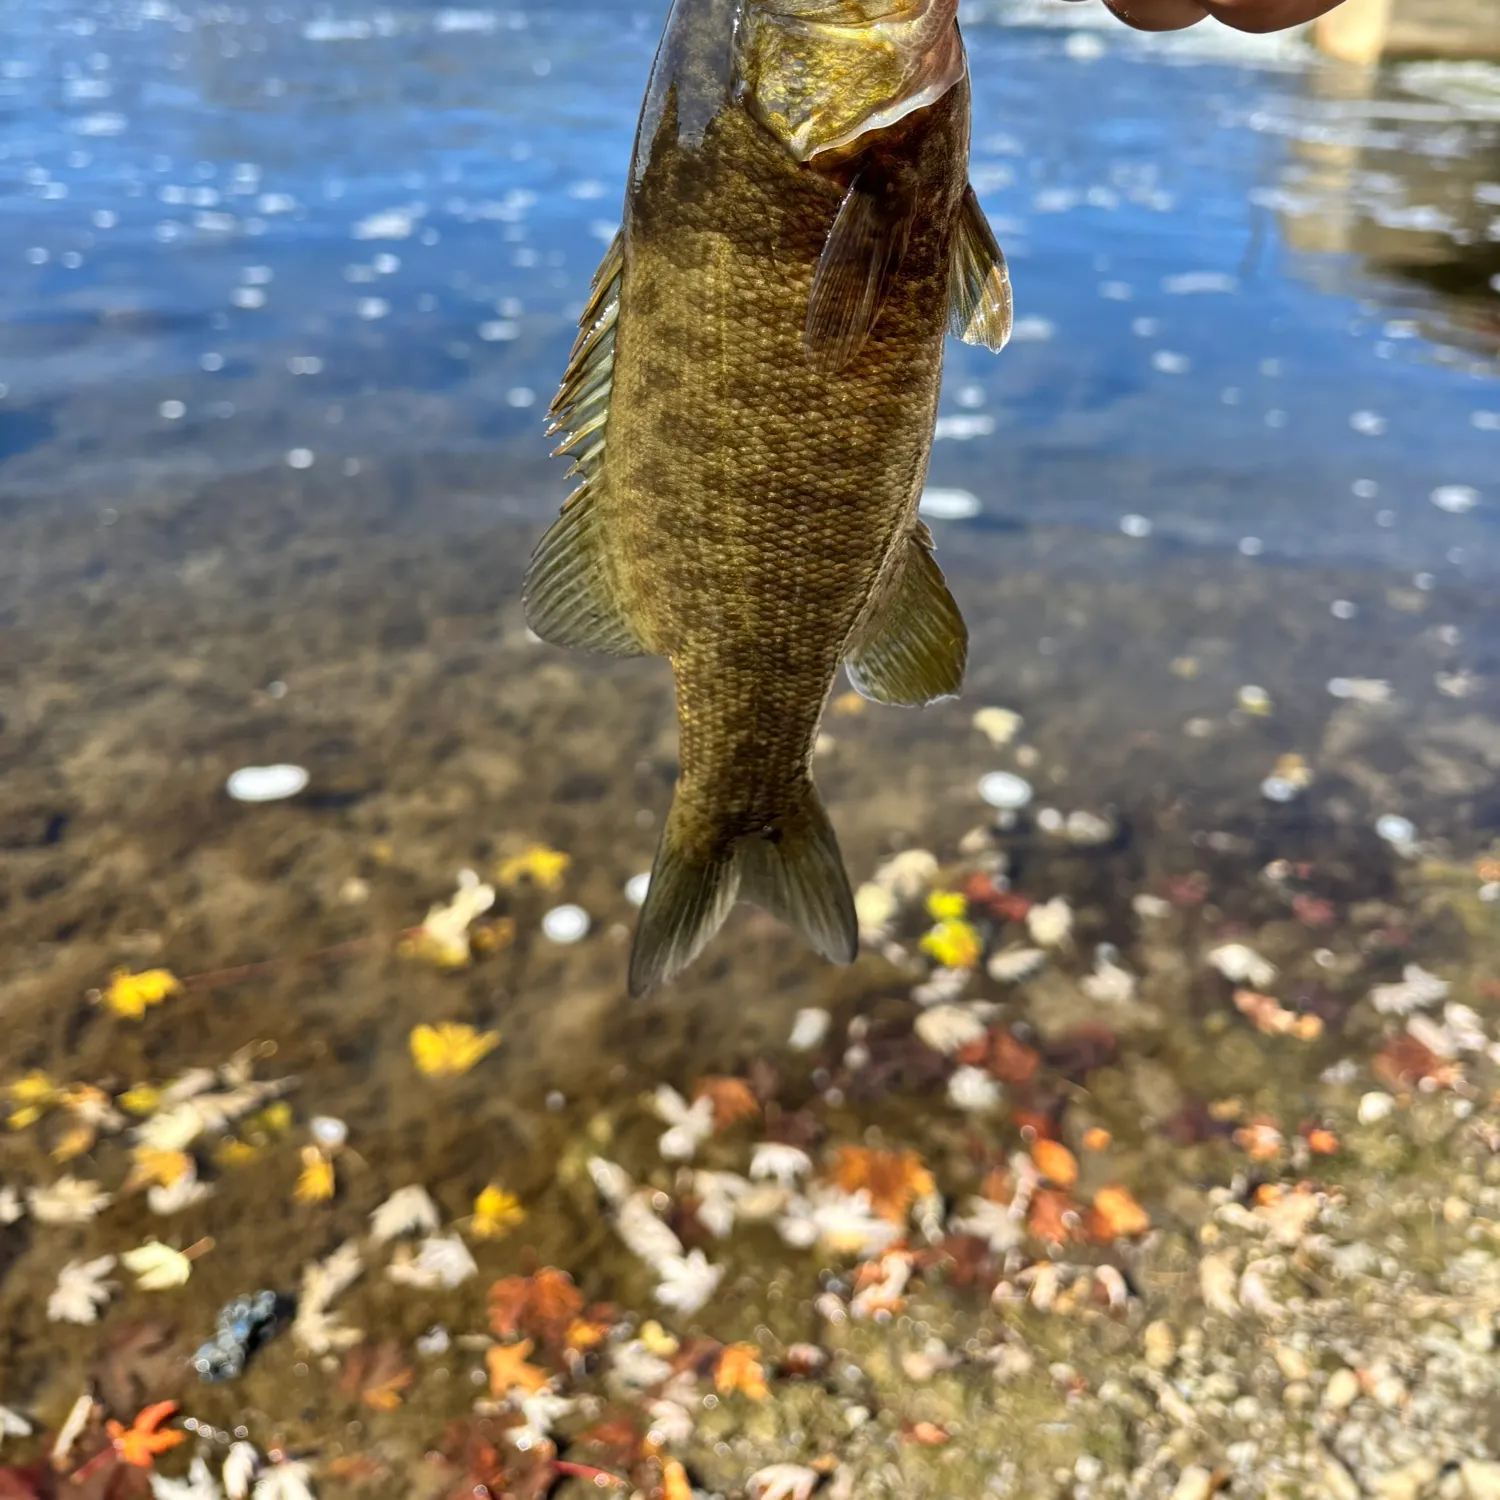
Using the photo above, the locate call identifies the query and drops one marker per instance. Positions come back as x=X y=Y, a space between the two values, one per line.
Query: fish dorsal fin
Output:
x=913 y=647
x=981 y=309
x=569 y=596
x=859 y=262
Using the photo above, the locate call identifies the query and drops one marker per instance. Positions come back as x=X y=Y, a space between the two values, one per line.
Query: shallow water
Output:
x=287 y=289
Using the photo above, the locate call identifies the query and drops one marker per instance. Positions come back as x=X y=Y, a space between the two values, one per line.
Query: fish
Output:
x=750 y=407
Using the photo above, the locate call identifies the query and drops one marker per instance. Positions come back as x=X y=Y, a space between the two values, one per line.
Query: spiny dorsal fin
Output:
x=913 y=648
x=860 y=260
x=569 y=596
x=981 y=308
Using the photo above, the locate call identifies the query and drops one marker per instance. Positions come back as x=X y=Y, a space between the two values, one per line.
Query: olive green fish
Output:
x=751 y=404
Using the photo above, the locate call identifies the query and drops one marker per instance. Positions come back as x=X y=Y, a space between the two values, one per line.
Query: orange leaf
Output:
x=554 y=1305
x=1051 y=1216
x=740 y=1370
x=1011 y=1061
x=1322 y=1142
x=586 y=1333
x=139 y=1443
x=893 y=1179
x=1055 y=1162
x=1097 y=1138
x=674 y=1482
x=509 y=1370
x=1404 y=1062
x=1117 y=1215
x=732 y=1097
x=508 y=1299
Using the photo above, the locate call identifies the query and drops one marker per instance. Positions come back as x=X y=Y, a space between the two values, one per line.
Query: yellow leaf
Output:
x=316 y=1184
x=658 y=1341
x=141 y=1100
x=275 y=1118
x=156 y=1267
x=450 y=1048
x=740 y=1370
x=675 y=1484
x=509 y=1370
x=954 y=944
x=158 y=1168
x=22 y=1119
x=947 y=906
x=75 y=1141
x=129 y=995
x=496 y=1213
x=232 y=1153
x=542 y=866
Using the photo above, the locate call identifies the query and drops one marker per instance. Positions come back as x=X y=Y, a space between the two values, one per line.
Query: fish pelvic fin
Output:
x=914 y=645
x=569 y=593
x=981 y=306
x=792 y=868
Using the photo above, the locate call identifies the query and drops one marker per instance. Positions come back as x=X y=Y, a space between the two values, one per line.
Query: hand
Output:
x=1243 y=15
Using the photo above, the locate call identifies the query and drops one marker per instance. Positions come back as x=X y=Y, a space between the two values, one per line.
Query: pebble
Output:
x=328 y=1132
x=636 y=888
x=266 y=783
x=1005 y=790
x=1279 y=789
x=998 y=725
x=1397 y=831
x=1481 y=1478
x=1160 y=1344
x=809 y=1029
x=1194 y=1483
x=1292 y=1362
x=949 y=505
x=566 y=924
x=1375 y=1106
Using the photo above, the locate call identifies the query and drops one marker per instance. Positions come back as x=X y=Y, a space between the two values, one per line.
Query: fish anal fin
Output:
x=570 y=594
x=913 y=647
x=981 y=304
x=792 y=868
x=860 y=259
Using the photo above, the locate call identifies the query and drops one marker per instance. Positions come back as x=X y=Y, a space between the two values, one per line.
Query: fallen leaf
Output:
x=377 y=1374
x=1055 y=1162
x=1403 y=1062
x=450 y=1048
x=1097 y=1138
x=129 y=995
x=542 y=866
x=315 y=1184
x=1117 y=1215
x=739 y=1369
x=509 y=1370
x=732 y=1100
x=1012 y=1061
x=1321 y=1142
x=496 y=1213
x=893 y=1179
x=509 y=1298
x=1052 y=1216
x=156 y=1266
x=927 y=1433
x=674 y=1481
x=553 y=1306
x=954 y=945
x=139 y=1443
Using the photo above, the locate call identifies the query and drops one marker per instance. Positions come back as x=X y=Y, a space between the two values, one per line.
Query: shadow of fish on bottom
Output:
x=751 y=404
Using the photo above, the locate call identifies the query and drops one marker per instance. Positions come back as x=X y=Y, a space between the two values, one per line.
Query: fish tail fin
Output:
x=793 y=869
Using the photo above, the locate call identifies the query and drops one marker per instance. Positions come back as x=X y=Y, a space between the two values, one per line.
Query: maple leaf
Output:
x=377 y=1374
x=553 y=1306
x=139 y=1443
x=508 y=1301
x=542 y=866
x=509 y=1370
x=740 y=1369
x=496 y=1213
x=732 y=1098
x=893 y=1179
x=129 y=994
x=450 y=1048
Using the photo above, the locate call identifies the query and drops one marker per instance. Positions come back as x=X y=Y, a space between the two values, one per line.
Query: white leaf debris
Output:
x=1013 y=965
x=12 y=1424
x=809 y=1028
x=1415 y=990
x=78 y=1418
x=613 y=1182
x=184 y=1192
x=974 y=1091
x=884 y=1295
x=69 y=1200
x=440 y=1261
x=691 y=1124
x=445 y=931
x=643 y=1233
x=543 y=1410
x=1240 y=964
x=843 y=1223
x=1051 y=923
x=783 y=1482
x=409 y=1210
x=240 y=1465
x=1255 y=1295
x=785 y=1164
x=948 y=1028
x=184 y=1115
x=992 y=1222
x=998 y=725
x=671 y=1425
x=875 y=909
x=156 y=1266
x=1216 y=1283
x=687 y=1282
x=908 y=875
x=81 y=1291
x=322 y=1281
x=942 y=987
x=285 y=1481
x=635 y=1368
x=1375 y=1106
x=200 y=1484
x=11 y=1208
x=1109 y=984
x=719 y=1196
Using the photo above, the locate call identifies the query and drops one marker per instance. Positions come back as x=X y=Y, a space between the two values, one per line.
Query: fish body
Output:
x=751 y=404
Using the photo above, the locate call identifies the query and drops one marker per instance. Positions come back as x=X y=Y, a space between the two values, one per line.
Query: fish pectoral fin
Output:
x=981 y=306
x=793 y=869
x=568 y=594
x=913 y=648
x=863 y=252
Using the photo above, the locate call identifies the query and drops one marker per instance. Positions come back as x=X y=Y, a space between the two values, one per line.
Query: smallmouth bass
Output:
x=750 y=404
